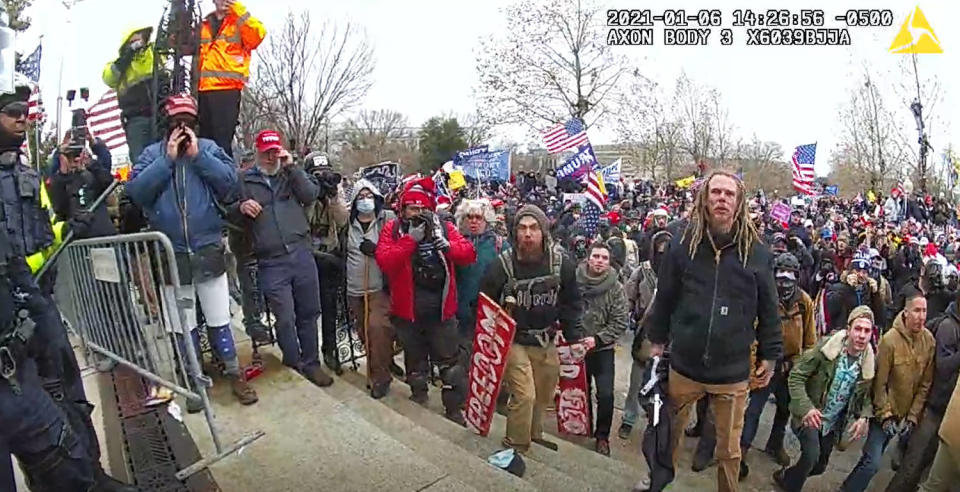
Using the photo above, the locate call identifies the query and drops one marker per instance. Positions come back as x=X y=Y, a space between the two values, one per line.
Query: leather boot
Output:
x=243 y=391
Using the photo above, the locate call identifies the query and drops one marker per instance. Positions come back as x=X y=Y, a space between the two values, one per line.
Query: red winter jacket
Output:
x=395 y=258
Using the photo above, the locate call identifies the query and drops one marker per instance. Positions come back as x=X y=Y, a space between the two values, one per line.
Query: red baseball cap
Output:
x=181 y=104
x=268 y=140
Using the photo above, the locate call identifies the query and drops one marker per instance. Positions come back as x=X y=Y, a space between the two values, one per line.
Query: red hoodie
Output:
x=395 y=258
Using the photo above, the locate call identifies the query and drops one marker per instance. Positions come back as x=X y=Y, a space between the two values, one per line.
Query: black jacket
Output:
x=73 y=193
x=711 y=312
x=282 y=225
x=542 y=314
x=843 y=297
x=946 y=330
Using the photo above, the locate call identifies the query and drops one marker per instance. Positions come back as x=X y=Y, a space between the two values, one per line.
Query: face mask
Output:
x=786 y=289
x=365 y=205
x=136 y=44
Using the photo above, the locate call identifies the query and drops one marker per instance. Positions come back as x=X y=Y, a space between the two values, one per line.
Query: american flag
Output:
x=593 y=207
x=30 y=66
x=565 y=136
x=803 y=173
x=35 y=105
x=104 y=121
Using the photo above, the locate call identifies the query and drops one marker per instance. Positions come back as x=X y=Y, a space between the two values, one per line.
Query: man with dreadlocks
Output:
x=710 y=329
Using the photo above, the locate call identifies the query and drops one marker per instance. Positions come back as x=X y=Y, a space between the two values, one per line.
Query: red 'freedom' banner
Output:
x=573 y=402
x=491 y=345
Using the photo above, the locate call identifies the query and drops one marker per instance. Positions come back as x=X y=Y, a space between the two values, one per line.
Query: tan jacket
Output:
x=904 y=372
x=799 y=334
x=950 y=426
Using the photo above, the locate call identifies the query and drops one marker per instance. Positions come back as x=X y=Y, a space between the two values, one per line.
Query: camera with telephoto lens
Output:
x=328 y=181
x=78 y=133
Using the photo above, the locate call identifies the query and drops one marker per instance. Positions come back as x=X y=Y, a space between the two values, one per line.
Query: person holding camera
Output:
x=131 y=75
x=179 y=183
x=271 y=207
x=418 y=253
x=78 y=181
x=328 y=218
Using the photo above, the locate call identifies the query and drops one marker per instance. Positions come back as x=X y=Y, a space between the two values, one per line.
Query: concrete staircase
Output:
x=339 y=439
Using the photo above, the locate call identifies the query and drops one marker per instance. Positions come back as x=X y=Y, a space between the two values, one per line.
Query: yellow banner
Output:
x=685 y=182
x=603 y=187
x=455 y=181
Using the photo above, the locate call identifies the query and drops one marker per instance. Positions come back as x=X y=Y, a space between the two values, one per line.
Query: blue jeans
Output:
x=758 y=400
x=631 y=408
x=292 y=289
x=869 y=463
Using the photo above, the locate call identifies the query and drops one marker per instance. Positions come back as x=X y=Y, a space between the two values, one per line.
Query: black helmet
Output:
x=786 y=261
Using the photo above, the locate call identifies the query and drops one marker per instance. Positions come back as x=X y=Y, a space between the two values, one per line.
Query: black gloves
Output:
x=80 y=223
x=890 y=427
x=368 y=247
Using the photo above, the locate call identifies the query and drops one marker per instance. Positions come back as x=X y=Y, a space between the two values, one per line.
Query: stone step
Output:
x=313 y=441
x=466 y=467
x=546 y=469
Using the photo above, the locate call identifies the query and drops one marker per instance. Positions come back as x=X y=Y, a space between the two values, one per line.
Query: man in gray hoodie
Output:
x=367 y=300
x=604 y=319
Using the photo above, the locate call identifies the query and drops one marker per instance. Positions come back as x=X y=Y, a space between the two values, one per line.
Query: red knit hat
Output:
x=419 y=192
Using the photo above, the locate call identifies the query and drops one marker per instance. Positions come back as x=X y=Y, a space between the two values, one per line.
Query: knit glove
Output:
x=873 y=285
x=368 y=247
x=441 y=243
x=417 y=232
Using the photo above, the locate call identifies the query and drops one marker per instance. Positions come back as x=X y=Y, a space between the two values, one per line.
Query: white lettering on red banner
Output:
x=491 y=345
x=573 y=402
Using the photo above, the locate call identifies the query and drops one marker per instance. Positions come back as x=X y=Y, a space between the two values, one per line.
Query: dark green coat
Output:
x=811 y=377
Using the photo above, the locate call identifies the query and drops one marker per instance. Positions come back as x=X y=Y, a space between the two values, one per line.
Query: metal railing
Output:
x=125 y=308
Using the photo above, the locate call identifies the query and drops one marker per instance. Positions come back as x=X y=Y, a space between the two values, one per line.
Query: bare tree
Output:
x=552 y=64
x=374 y=136
x=476 y=130
x=312 y=74
x=763 y=165
x=871 y=140
x=697 y=134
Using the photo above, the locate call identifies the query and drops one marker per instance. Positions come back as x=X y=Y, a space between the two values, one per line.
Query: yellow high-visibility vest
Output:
x=36 y=260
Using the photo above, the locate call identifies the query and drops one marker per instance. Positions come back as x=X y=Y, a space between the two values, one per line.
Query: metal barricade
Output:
x=127 y=308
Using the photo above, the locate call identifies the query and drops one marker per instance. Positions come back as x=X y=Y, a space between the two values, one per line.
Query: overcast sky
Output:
x=426 y=65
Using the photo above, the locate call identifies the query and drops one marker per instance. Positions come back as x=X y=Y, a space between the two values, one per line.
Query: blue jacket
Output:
x=200 y=184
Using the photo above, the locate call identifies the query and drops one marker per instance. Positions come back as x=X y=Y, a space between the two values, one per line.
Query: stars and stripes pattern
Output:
x=35 y=105
x=594 y=205
x=30 y=66
x=803 y=173
x=565 y=136
x=104 y=121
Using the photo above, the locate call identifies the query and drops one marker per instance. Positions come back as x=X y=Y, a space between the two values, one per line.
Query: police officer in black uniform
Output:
x=34 y=428
x=27 y=225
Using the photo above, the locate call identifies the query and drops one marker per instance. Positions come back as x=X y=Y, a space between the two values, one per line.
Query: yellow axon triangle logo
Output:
x=916 y=36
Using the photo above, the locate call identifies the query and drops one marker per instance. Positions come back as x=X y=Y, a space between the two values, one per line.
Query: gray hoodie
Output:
x=356 y=260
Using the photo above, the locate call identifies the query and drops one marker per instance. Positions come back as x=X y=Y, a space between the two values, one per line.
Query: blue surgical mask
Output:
x=365 y=205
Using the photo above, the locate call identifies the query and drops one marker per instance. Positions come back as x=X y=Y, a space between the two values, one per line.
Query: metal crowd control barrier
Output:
x=127 y=310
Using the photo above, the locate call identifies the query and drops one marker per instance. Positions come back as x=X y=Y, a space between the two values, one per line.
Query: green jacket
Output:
x=811 y=377
x=605 y=310
x=132 y=76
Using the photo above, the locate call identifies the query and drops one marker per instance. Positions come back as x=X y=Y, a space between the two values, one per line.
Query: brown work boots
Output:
x=242 y=390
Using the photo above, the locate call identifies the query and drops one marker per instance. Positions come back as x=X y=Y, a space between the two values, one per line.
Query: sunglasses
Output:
x=15 y=109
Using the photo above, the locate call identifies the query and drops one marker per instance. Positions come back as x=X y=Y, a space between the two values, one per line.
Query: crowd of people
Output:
x=848 y=314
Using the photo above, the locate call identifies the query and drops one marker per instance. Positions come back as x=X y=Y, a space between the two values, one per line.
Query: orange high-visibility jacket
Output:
x=224 y=62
